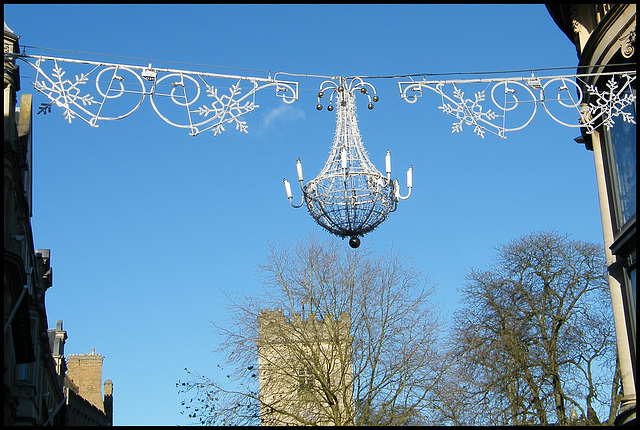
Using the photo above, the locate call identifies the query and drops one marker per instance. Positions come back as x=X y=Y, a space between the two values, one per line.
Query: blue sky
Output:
x=148 y=226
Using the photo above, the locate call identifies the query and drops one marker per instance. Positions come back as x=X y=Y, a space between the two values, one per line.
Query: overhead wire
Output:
x=424 y=76
x=320 y=76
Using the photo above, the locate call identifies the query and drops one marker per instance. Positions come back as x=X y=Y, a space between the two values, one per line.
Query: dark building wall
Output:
x=604 y=36
x=32 y=389
x=34 y=365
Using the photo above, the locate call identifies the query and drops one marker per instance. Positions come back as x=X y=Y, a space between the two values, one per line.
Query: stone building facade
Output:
x=83 y=400
x=36 y=390
x=604 y=35
x=32 y=388
x=86 y=403
x=305 y=369
x=85 y=372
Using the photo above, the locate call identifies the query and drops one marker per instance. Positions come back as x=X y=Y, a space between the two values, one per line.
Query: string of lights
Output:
x=631 y=67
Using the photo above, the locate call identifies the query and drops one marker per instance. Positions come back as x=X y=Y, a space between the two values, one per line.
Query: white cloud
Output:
x=284 y=113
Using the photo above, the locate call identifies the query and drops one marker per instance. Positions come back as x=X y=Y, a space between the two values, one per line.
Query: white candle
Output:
x=388 y=162
x=287 y=187
x=299 y=167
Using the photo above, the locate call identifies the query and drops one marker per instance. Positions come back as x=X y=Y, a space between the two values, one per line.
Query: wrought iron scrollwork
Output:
x=509 y=95
x=180 y=98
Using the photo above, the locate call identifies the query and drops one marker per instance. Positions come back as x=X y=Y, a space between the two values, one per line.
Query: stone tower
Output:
x=108 y=400
x=85 y=371
x=305 y=369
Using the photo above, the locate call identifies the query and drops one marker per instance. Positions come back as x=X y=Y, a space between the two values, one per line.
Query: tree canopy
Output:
x=352 y=337
x=391 y=354
x=534 y=338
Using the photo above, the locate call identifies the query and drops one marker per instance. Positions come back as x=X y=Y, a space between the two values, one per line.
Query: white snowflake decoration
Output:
x=467 y=111
x=63 y=92
x=227 y=109
x=610 y=104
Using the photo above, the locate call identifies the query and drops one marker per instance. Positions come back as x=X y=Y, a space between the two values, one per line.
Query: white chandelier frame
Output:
x=349 y=197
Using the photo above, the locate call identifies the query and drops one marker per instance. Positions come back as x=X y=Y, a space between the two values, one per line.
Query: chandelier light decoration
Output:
x=349 y=197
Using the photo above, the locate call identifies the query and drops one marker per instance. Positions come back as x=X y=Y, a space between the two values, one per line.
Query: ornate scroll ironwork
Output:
x=509 y=94
x=349 y=197
x=179 y=97
x=175 y=95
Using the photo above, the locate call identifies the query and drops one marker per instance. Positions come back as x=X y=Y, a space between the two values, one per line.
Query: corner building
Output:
x=36 y=391
x=605 y=35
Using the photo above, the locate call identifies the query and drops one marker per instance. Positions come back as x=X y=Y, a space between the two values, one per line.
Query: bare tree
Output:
x=535 y=334
x=380 y=371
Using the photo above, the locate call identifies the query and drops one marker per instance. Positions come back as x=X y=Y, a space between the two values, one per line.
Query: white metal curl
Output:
x=564 y=93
